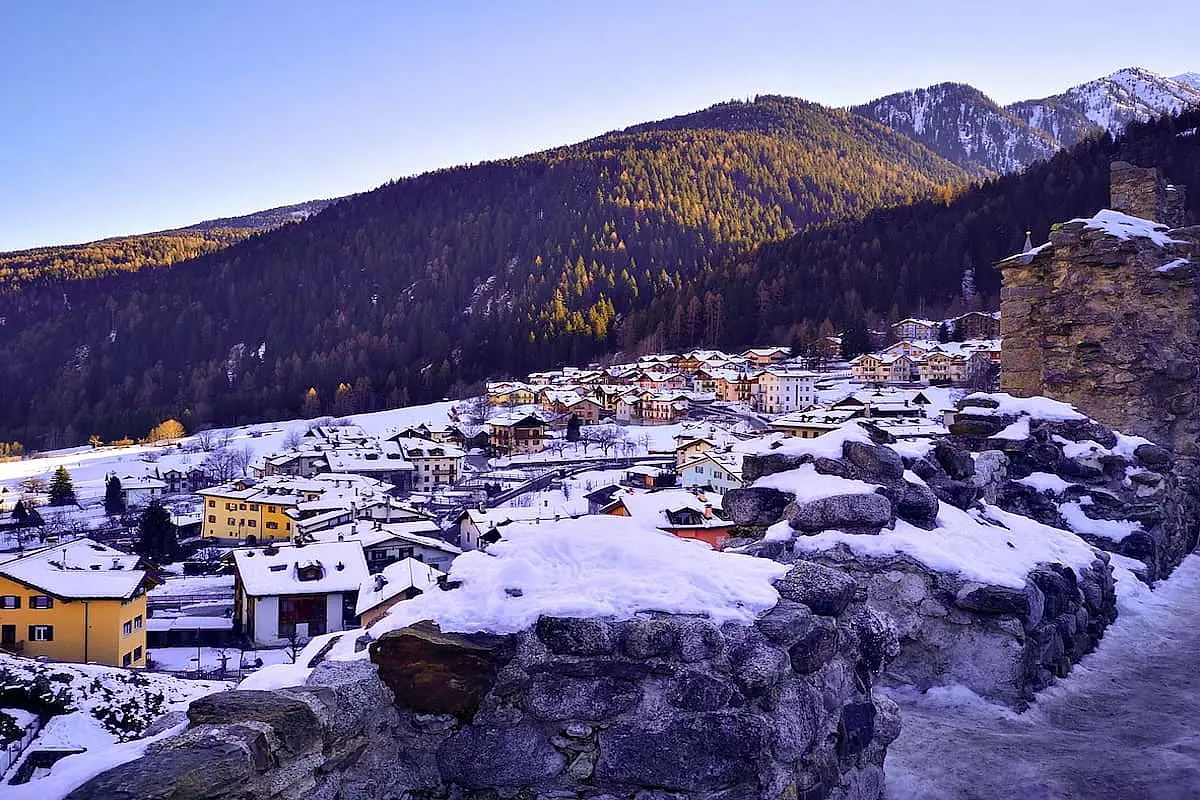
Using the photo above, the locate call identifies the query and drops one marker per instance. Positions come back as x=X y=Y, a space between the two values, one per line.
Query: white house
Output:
x=281 y=591
x=718 y=471
x=385 y=543
x=140 y=492
x=782 y=390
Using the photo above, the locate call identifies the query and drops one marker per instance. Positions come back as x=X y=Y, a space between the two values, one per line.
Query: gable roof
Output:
x=394 y=580
x=275 y=569
x=78 y=570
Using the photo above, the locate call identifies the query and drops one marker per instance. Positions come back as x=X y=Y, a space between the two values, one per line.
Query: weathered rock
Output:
x=786 y=622
x=824 y=590
x=292 y=720
x=814 y=649
x=756 y=506
x=959 y=494
x=875 y=462
x=1152 y=456
x=575 y=637
x=999 y=600
x=647 y=638
x=695 y=690
x=482 y=758
x=847 y=511
x=918 y=505
x=698 y=639
x=439 y=673
x=703 y=753
x=958 y=464
x=555 y=697
x=756 y=665
x=770 y=463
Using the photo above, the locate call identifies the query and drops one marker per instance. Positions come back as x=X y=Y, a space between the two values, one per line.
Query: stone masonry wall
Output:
x=1111 y=325
x=656 y=708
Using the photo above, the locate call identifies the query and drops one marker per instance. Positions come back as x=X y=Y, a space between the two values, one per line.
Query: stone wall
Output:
x=1004 y=643
x=1111 y=325
x=653 y=708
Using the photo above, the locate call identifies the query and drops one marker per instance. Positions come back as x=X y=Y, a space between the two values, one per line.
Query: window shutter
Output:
x=31 y=629
x=49 y=633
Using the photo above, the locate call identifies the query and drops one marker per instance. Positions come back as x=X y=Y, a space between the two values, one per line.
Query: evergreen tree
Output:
x=157 y=537
x=62 y=490
x=943 y=332
x=573 y=425
x=856 y=340
x=114 y=499
x=21 y=513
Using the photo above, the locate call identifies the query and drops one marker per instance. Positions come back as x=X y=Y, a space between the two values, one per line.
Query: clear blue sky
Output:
x=138 y=115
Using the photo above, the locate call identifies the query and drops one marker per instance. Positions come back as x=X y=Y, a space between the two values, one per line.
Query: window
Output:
x=212 y=503
x=230 y=506
x=242 y=507
x=254 y=506
x=252 y=524
x=10 y=601
x=41 y=633
x=127 y=629
x=137 y=623
x=212 y=518
x=230 y=521
x=41 y=601
x=377 y=555
x=126 y=659
x=137 y=653
x=273 y=526
x=271 y=509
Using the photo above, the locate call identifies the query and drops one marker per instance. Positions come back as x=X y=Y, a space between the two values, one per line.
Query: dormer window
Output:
x=310 y=572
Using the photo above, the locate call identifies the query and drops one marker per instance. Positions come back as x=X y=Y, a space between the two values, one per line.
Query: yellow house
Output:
x=79 y=601
x=253 y=511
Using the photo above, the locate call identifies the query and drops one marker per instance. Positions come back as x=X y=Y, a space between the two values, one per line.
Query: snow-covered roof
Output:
x=275 y=569
x=396 y=579
x=80 y=569
x=653 y=508
x=143 y=482
x=369 y=533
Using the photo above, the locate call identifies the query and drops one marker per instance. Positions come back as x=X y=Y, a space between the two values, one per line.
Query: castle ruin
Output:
x=1106 y=315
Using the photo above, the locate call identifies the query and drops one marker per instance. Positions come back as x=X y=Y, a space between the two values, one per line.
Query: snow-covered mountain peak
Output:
x=1132 y=93
x=1188 y=79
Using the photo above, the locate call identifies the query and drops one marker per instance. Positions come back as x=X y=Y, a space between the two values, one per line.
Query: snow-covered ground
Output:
x=89 y=467
x=183 y=659
x=1122 y=726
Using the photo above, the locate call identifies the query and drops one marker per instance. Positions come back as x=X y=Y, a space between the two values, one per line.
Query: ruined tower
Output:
x=1106 y=314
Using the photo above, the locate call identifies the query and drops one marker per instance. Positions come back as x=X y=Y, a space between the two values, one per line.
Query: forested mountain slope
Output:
x=428 y=283
x=909 y=259
x=60 y=264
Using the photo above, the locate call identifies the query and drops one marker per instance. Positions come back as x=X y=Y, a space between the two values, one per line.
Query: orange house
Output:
x=678 y=512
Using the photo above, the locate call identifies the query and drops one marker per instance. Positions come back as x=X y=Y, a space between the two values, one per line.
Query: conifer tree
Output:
x=114 y=498
x=573 y=425
x=157 y=536
x=62 y=490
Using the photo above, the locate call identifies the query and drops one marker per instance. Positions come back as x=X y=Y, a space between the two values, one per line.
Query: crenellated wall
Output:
x=1111 y=322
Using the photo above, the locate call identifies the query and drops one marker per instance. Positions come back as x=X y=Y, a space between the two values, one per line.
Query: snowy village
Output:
x=809 y=447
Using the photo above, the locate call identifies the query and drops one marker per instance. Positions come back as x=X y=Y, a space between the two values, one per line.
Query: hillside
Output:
x=962 y=125
x=911 y=259
x=22 y=269
x=431 y=282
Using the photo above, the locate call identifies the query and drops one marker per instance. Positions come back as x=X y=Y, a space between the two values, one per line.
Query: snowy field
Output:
x=183 y=659
x=89 y=467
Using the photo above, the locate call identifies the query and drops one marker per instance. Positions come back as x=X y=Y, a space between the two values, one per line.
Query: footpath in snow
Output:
x=1124 y=725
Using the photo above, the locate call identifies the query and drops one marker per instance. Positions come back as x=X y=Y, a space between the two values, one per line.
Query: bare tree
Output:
x=474 y=411
x=220 y=465
x=223 y=656
x=293 y=440
x=294 y=645
x=206 y=439
x=607 y=437
x=242 y=456
x=224 y=438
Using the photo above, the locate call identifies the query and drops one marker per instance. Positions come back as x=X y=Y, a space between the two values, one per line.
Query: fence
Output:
x=13 y=750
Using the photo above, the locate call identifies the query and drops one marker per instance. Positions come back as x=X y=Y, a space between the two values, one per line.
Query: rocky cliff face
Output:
x=662 y=706
x=925 y=530
x=1106 y=315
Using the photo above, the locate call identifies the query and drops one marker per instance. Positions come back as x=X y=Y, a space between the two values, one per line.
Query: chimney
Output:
x=708 y=510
